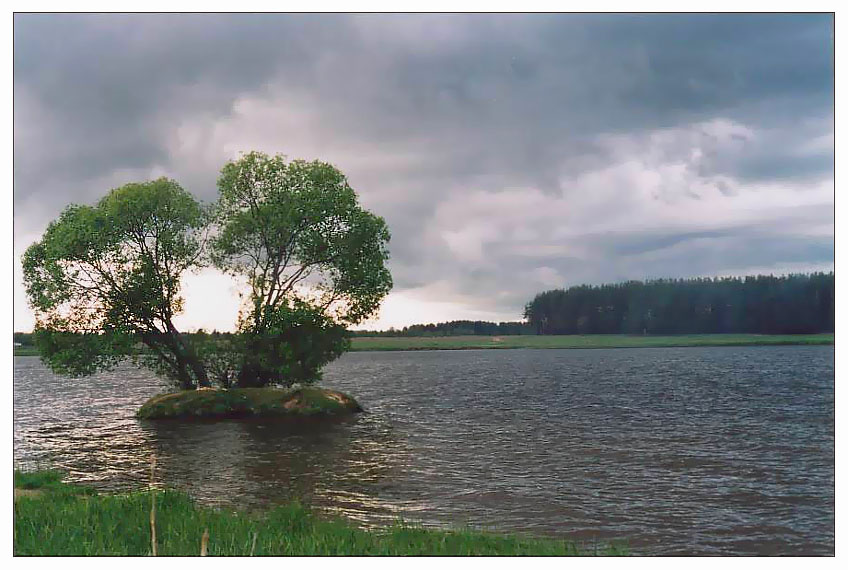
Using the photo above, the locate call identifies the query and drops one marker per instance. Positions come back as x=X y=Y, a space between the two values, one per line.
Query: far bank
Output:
x=476 y=342
x=373 y=343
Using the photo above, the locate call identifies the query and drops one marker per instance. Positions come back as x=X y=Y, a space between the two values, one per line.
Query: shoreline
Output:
x=55 y=518
x=308 y=402
x=401 y=343
x=388 y=344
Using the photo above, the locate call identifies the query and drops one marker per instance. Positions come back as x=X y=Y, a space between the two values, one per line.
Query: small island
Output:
x=268 y=402
x=311 y=262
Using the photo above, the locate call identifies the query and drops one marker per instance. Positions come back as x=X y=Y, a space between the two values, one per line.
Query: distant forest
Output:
x=792 y=304
x=456 y=328
x=765 y=304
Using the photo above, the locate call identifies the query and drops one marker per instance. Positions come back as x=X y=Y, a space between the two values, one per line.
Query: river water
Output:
x=675 y=451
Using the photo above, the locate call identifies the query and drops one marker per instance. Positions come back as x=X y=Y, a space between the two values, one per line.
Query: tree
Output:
x=314 y=261
x=104 y=278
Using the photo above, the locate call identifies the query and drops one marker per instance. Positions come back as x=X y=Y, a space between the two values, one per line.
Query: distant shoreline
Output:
x=399 y=343
x=366 y=344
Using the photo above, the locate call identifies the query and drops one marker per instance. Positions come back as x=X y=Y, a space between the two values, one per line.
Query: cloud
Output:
x=508 y=153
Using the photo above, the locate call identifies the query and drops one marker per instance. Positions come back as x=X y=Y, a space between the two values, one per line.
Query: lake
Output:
x=677 y=451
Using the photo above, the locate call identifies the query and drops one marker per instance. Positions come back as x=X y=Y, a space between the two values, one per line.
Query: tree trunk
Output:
x=188 y=356
x=164 y=346
x=249 y=375
x=185 y=366
x=183 y=374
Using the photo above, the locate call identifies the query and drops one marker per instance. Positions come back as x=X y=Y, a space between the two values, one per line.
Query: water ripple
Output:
x=709 y=451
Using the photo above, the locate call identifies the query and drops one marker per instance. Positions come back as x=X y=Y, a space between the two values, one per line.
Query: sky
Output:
x=509 y=154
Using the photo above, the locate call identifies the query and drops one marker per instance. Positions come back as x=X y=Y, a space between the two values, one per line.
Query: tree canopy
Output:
x=308 y=251
x=106 y=276
x=295 y=230
x=104 y=280
x=763 y=304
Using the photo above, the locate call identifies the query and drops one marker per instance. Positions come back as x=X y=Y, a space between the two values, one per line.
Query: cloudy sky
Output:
x=509 y=154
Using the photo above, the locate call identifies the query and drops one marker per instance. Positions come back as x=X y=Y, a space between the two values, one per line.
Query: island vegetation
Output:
x=267 y=402
x=104 y=281
x=53 y=518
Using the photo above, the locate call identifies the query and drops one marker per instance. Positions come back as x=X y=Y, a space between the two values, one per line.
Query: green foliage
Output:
x=245 y=402
x=455 y=328
x=38 y=479
x=297 y=341
x=103 y=275
x=763 y=304
x=313 y=258
x=223 y=355
x=299 y=223
x=104 y=280
x=49 y=483
x=196 y=403
x=77 y=355
x=65 y=524
x=25 y=339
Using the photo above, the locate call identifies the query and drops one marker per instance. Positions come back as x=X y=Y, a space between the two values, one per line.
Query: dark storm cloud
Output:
x=457 y=129
x=106 y=89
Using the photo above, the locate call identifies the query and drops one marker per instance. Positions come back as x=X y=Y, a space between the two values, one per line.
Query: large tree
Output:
x=105 y=278
x=313 y=258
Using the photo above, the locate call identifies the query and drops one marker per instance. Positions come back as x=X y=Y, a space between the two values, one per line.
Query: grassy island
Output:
x=56 y=519
x=249 y=402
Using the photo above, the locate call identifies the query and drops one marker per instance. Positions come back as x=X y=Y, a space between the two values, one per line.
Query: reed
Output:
x=204 y=542
x=153 y=549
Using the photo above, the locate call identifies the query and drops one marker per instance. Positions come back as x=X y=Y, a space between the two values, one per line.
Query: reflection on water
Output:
x=677 y=451
x=255 y=464
x=86 y=427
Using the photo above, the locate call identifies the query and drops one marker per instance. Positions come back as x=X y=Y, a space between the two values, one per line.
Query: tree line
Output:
x=456 y=328
x=762 y=304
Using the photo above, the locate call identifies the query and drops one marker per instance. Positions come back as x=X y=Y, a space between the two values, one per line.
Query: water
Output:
x=678 y=451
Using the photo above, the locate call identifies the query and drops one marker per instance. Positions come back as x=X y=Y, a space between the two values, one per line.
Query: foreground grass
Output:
x=53 y=518
x=581 y=341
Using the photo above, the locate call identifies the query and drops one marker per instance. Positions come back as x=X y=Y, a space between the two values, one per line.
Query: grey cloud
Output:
x=487 y=103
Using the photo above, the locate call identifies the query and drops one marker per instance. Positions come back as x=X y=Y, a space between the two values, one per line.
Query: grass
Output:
x=581 y=341
x=366 y=343
x=308 y=401
x=66 y=520
x=48 y=480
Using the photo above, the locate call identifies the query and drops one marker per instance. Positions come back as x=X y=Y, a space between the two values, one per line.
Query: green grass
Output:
x=581 y=341
x=49 y=479
x=61 y=521
x=309 y=401
x=366 y=343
